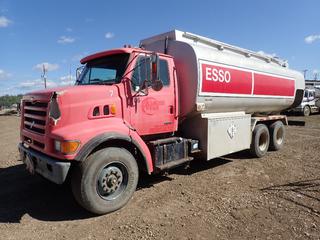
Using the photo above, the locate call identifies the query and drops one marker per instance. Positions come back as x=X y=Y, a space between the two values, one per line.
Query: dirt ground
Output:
x=234 y=197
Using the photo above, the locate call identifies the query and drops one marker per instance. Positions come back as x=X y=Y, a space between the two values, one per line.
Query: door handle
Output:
x=136 y=100
x=171 y=109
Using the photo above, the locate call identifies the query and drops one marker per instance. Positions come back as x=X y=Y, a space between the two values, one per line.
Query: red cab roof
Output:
x=114 y=51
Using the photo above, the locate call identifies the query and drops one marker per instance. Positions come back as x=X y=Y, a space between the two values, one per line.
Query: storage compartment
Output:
x=165 y=151
x=219 y=134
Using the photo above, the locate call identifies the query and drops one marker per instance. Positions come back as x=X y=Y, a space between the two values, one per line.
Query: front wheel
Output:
x=106 y=180
x=306 y=111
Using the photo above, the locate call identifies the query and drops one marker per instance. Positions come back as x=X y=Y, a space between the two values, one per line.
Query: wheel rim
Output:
x=263 y=141
x=279 y=136
x=112 y=181
x=306 y=111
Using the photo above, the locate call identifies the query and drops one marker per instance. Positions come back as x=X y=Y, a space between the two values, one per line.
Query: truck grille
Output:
x=35 y=116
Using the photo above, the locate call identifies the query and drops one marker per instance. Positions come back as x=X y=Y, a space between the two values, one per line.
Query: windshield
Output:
x=107 y=70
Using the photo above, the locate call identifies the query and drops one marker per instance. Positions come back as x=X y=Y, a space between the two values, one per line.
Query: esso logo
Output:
x=214 y=74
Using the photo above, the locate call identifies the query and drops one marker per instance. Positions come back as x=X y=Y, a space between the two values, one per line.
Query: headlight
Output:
x=66 y=147
x=57 y=145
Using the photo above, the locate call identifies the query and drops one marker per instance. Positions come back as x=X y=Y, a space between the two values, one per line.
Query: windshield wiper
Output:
x=125 y=75
x=102 y=82
x=77 y=82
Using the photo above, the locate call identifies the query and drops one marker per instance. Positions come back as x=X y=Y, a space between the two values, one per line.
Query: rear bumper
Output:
x=52 y=169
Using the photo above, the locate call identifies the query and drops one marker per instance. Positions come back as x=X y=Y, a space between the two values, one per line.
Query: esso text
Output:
x=214 y=74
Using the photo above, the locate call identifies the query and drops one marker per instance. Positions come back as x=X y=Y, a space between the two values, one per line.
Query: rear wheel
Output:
x=260 y=141
x=277 y=135
x=306 y=111
x=106 y=180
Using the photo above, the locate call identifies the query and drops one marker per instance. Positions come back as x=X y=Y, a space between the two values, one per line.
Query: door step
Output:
x=171 y=152
x=173 y=164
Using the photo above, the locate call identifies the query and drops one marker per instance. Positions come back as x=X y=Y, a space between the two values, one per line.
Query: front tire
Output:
x=106 y=180
x=306 y=111
x=260 y=141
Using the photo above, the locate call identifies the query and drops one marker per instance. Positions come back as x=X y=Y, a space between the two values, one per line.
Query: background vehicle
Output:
x=177 y=98
x=310 y=103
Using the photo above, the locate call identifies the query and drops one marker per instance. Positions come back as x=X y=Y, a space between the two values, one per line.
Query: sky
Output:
x=59 y=33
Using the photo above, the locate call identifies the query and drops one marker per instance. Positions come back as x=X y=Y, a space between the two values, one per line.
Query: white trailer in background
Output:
x=310 y=103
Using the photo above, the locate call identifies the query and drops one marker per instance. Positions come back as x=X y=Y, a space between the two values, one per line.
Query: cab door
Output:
x=152 y=112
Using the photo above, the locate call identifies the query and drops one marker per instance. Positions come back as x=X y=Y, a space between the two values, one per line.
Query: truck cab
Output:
x=122 y=100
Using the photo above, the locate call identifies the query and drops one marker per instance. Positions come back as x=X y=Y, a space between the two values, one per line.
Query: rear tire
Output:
x=306 y=111
x=260 y=141
x=106 y=180
x=277 y=135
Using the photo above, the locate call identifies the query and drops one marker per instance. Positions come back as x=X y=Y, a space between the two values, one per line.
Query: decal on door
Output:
x=151 y=105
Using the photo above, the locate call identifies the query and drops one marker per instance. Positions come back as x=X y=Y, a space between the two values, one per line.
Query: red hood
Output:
x=77 y=90
x=77 y=102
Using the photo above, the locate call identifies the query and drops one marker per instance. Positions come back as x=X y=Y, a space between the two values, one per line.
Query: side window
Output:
x=141 y=72
x=164 y=72
x=311 y=95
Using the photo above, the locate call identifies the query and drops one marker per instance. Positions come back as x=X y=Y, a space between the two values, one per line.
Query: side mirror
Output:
x=79 y=71
x=156 y=83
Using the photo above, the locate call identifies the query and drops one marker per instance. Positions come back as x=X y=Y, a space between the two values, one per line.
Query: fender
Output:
x=142 y=146
x=104 y=137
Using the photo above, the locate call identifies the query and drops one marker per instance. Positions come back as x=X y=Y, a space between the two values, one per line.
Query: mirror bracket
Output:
x=156 y=83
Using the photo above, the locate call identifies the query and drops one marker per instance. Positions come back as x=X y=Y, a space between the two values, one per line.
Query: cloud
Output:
x=48 y=66
x=30 y=84
x=267 y=54
x=38 y=84
x=4 y=75
x=65 y=40
x=11 y=90
x=67 y=80
x=4 y=22
x=311 y=38
x=68 y=29
x=35 y=84
x=109 y=35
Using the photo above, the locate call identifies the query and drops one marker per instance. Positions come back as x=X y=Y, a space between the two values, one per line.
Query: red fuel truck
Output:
x=179 y=97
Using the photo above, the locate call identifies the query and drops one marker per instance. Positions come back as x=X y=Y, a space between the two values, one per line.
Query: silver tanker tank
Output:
x=217 y=77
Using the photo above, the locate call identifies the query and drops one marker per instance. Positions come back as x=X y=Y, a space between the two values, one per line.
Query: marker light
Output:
x=66 y=147
x=113 y=109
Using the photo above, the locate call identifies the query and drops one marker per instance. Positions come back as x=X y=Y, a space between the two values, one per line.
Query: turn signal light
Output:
x=66 y=147
x=113 y=109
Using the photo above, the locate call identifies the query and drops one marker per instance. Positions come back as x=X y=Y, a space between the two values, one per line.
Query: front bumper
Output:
x=54 y=170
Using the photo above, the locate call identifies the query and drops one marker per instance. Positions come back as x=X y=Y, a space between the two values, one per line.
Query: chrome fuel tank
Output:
x=218 y=77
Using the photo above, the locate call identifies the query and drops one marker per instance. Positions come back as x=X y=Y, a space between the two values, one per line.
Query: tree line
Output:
x=8 y=100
